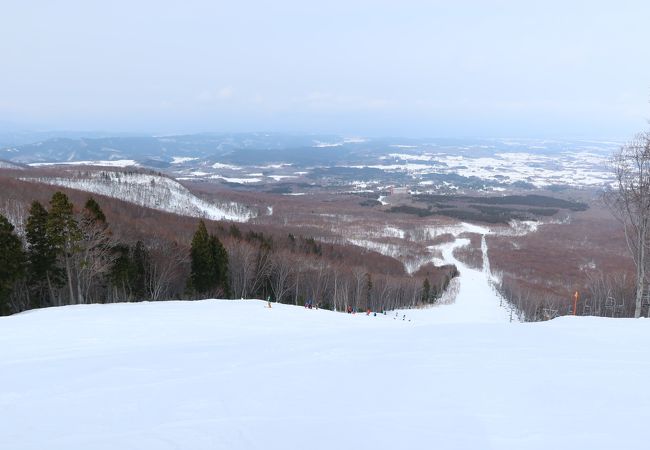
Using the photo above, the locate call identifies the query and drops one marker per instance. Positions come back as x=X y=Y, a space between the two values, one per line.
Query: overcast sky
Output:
x=431 y=68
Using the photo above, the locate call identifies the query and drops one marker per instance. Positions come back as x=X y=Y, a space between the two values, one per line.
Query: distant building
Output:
x=398 y=190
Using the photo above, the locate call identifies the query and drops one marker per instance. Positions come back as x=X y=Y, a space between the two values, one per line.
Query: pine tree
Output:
x=426 y=291
x=141 y=264
x=203 y=277
x=93 y=212
x=12 y=263
x=64 y=234
x=220 y=258
x=209 y=264
x=120 y=275
x=43 y=273
x=369 y=291
x=128 y=272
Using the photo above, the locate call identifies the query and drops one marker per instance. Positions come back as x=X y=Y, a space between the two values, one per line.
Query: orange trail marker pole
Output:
x=576 y=296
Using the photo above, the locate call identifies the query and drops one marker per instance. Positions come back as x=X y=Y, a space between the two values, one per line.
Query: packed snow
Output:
x=230 y=374
x=152 y=191
x=476 y=299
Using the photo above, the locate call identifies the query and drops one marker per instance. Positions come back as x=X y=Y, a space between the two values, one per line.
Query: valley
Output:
x=406 y=200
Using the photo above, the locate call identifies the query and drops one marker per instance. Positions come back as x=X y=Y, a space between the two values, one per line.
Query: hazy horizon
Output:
x=372 y=68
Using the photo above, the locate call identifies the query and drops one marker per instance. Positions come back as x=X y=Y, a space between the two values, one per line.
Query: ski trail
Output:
x=476 y=299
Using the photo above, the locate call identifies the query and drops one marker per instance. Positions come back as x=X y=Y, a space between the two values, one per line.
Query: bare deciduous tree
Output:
x=163 y=268
x=93 y=259
x=630 y=202
x=242 y=260
x=281 y=268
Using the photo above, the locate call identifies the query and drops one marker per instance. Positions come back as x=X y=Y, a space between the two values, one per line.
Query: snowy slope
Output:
x=475 y=298
x=237 y=375
x=152 y=191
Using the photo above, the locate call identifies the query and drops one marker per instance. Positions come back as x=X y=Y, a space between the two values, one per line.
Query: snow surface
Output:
x=476 y=300
x=237 y=375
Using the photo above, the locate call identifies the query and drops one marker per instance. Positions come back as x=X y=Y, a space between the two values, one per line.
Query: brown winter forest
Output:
x=283 y=262
x=340 y=250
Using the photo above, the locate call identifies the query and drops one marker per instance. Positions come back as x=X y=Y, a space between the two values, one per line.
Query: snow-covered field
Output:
x=573 y=168
x=104 y=163
x=237 y=375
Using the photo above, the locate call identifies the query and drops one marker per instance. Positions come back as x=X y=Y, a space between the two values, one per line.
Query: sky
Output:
x=373 y=68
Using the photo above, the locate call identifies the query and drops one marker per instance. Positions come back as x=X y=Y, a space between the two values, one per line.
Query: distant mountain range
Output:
x=258 y=148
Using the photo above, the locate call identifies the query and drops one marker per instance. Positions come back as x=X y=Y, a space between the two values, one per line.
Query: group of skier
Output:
x=309 y=304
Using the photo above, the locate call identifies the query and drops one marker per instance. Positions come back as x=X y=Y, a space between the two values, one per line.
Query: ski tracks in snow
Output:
x=476 y=298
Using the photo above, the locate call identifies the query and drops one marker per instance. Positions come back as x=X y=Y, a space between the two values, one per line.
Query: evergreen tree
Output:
x=64 y=234
x=12 y=263
x=203 y=277
x=426 y=291
x=93 y=212
x=120 y=275
x=369 y=291
x=129 y=271
x=141 y=264
x=220 y=258
x=43 y=273
x=209 y=264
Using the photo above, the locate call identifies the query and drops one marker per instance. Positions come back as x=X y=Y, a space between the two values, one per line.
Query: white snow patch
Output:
x=225 y=166
x=103 y=163
x=282 y=177
x=182 y=159
x=236 y=180
x=319 y=144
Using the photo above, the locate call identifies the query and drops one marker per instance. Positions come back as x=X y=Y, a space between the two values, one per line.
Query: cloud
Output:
x=215 y=96
x=225 y=93
x=318 y=100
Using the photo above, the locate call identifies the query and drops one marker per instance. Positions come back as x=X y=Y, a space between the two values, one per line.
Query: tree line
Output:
x=68 y=257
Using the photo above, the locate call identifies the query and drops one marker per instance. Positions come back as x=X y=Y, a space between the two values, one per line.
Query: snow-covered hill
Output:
x=9 y=165
x=237 y=375
x=153 y=191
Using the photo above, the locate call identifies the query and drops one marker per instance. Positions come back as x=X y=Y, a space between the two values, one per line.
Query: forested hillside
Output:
x=72 y=248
